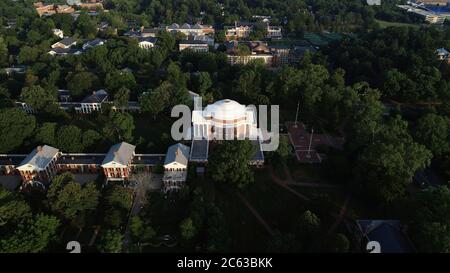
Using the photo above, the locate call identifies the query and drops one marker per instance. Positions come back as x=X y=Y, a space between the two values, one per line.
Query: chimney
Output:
x=39 y=148
x=94 y=92
x=177 y=151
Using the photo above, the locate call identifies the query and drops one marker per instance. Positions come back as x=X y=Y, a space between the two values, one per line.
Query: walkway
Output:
x=284 y=183
x=256 y=214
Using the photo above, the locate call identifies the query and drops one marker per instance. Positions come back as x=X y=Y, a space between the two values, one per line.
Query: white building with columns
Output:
x=224 y=120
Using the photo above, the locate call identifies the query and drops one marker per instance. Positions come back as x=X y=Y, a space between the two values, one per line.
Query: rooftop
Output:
x=177 y=153
x=121 y=153
x=39 y=158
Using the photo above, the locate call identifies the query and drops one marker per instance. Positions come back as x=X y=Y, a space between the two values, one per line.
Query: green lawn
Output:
x=386 y=24
x=152 y=136
x=277 y=206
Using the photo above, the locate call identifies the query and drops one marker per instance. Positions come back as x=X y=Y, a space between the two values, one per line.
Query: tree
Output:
x=38 y=97
x=110 y=241
x=80 y=83
x=431 y=225
x=13 y=210
x=229 y=163
x=141 y=231
x=283 y=243
x=46 y=134
x=119 y=197
x=387 y=166
x=90 y=137
x=15 y=127
x=118 y=79
x=339 y=243
x=122 y=97
x=202 y=82
x=152 y=103
x=69 y=139
x=27 y=55
x=3 y=52
x=187 y=229
x=119 y=126
x=70 y=200
x=432 y=131
x=282 y=153
x=31 y=237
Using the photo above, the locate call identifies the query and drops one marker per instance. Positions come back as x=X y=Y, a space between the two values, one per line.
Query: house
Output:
x=148 y=32
x=65 y=43
x=274 y=32
x=434 y=2
x=93 y=102
x=117 y=163
x=281 y=55
x=189 y=30
x=25 y=107
x=14 y=69
x=205 y=38
x=58 y=51
x=238 y=31
x=64 y=95
x=390 y=234
x=443 y=54
x=147 y=43
x=175 y=167
x=93 y=43
x=58 y=33
x=39 y=165
x=196 y=46
x=373 y=2
x=258 y=51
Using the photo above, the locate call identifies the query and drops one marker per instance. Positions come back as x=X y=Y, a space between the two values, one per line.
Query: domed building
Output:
x=221 y=121
x=224 y=120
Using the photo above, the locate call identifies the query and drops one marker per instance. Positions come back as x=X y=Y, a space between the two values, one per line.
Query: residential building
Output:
x=93 y=43
x=15 y=70
x=58 y=33
x=240 y=30
x=426 y=15
x=196 y=46
x=65 y=43
x=258 y=51
x=443 y=54
x=281 y=55
x=64 y=95
x=189 y=30
x=175 y=167
x=117 y=163
x=93 y=102
x=149 y=32
x=209 y=39
x=274 y=32
x=147 y=42
x=373 y=2
x=433 y=2
x=40 y=164
x=44 y=162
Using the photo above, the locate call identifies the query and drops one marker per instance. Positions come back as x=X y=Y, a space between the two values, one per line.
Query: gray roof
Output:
x=388 y=233
x=148 y=39
x=177 y=153
x=97 y=97
x=121 y=153
x=67 y=41
x=40 y=157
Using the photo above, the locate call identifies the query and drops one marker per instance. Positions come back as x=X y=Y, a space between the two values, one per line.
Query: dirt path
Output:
x=284 y=183
x=256 y=214
x=341 y=215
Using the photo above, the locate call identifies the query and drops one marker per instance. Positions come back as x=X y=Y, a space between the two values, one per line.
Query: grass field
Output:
x=386 y=24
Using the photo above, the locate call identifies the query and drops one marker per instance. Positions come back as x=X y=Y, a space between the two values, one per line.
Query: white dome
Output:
x=225 y=110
